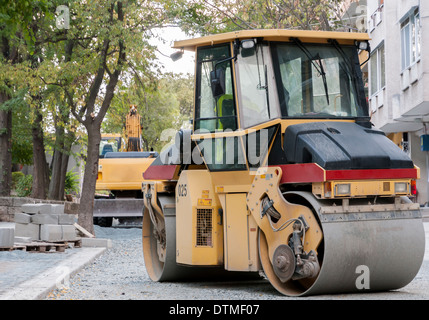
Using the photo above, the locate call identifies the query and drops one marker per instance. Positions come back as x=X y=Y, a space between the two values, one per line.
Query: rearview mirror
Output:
x=363 y=45
x=217 y=82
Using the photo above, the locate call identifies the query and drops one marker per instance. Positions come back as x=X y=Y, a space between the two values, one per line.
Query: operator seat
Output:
x=106 y=148
x=225 y=108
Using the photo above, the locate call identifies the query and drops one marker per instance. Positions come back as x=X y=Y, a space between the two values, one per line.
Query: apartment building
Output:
x=398 y=77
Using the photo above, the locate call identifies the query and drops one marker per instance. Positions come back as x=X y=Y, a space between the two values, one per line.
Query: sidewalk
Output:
x=32 y=275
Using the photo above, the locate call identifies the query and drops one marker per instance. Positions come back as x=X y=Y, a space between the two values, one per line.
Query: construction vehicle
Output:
x=131 y=140
x=283 y=172
x=118 y=187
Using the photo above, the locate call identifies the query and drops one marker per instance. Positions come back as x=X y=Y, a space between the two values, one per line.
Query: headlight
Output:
x=401 y=187
x=343 y=189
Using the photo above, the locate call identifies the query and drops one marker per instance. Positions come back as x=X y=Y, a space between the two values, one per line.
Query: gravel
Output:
x=119 y=274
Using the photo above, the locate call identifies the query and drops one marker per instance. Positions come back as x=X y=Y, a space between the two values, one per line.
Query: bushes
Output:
x=24 y=186
x=71 y=184
x=15 y=178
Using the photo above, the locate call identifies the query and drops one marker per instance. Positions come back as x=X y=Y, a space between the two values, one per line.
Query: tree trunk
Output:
x=93 y=122
x=5 y=148
x=69 y=139
x=63 y=172
x=60 y=163
x=41 y=170
x=59 y=170
x=54 y=186
x=85 y=218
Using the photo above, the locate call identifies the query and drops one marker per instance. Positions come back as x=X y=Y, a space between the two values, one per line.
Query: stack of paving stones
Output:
x=24 y=223
x=7 y=235
x=44 y=222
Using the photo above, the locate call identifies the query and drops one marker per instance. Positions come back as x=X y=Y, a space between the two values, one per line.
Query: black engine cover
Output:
x=342 y=145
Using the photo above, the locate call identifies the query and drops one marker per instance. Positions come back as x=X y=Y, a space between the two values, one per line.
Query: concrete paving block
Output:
x=22 y=217
x=7 y=235
x=27 y=230
x=66 y=219
x=44 y=218
x=22 y=239
x=71 y=207
x=55 y=232
x=51 y=232
x=57 y=208
x=7 y=224
x=68 y=232
x=96 y=242
x=33 y=208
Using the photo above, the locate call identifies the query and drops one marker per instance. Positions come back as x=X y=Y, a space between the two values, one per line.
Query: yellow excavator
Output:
x=121 y=164
x=282 y=172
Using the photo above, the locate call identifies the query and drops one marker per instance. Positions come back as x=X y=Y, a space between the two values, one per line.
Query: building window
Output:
x=377 y=16
x=410 y=38
x=378 y=78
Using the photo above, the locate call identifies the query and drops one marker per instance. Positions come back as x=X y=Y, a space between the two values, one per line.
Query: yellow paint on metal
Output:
x=360 y=189
x=199 y=234
x=205 y=202
x=240 y=229
x=270 y=187
x=272 y=35
x=122 y=173
x=284 y=123
x=240 y=181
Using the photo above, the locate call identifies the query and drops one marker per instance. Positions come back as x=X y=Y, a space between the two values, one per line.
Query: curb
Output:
x=40 y=286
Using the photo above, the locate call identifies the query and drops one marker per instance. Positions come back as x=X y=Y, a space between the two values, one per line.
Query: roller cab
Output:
x=282 y=172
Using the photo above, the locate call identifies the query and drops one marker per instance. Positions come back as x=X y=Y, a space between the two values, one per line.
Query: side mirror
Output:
x=364 y=46
x=248 y=48
x=176 y=55
x=217 y=81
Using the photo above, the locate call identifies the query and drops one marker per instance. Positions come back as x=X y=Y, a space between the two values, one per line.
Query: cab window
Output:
x=256 y=84
x=317 y=81
x=214 y=113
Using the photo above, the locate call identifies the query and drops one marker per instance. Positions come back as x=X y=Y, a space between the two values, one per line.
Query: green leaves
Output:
x=16 y=17
x=163 y=102
x=214 y=16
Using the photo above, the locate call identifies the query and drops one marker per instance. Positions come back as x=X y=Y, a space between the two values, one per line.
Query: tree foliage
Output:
x=17 y=44
x=74 y=70
x=214 y=16
x=106 y=44
x=163 y=102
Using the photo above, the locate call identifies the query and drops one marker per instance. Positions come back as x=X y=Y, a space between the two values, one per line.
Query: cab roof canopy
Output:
x=272 y=35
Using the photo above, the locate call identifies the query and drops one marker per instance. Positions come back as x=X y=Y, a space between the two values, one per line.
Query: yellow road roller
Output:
x=283 y=173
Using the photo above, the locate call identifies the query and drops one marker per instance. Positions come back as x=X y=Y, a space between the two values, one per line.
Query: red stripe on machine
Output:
x=163 y=172
x=371 y=174
x=302 y=173
x=312 y=172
